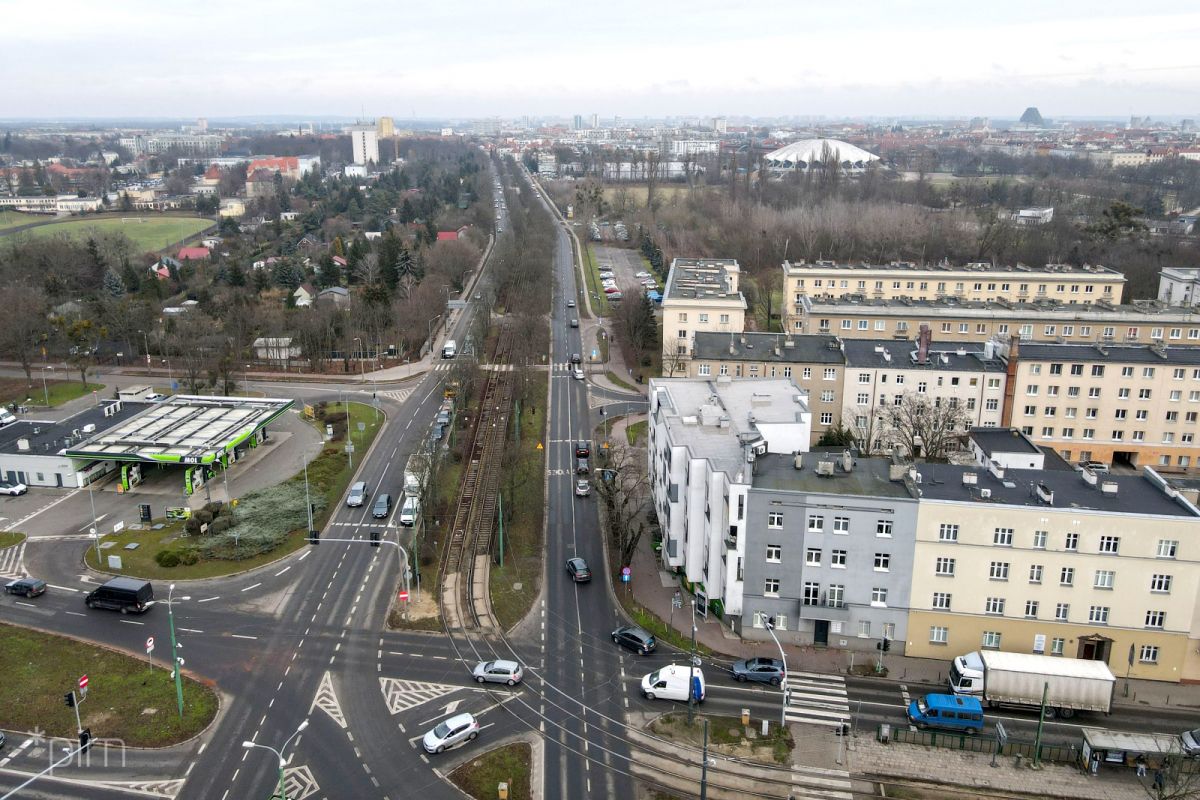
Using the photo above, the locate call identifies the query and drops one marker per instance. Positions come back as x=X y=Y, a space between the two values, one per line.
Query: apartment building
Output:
x=1135 y=405
x=704 y=437
x=857 y=317
x=978 y=281
x=1179 y=286
x=701 y=295
x=1056 y=562
x=828 y=546
x=364 y=139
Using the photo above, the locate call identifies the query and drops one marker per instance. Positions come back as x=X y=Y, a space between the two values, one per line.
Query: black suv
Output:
x=638 y=640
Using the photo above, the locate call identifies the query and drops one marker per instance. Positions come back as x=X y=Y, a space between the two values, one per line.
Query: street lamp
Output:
x=176 y=661
x=770 y=625
x=95 y=522
x=429 y=334
x=146 y=341
x=45 y=390
x=170 y=375
x=279 y=755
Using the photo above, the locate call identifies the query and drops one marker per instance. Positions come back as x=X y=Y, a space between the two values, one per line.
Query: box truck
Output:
x=1018 y=679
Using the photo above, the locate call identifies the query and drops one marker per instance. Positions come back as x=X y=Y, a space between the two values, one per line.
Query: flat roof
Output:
x=703 y=279
x=797 y=348
x=1097 y=312
x=47 y=437
x=184 y=429
x=982 y=267
x=944 y=356
x=1136 y=494
x=868 y=477
x=1137 y=353
x=1002 y=440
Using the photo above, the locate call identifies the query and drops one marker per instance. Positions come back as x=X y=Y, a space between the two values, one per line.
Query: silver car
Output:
x=456 y=730
x=507 y=672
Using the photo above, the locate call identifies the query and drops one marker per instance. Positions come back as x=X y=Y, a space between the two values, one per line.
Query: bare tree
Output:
x=924 y=426
x=622 y=484
x=25 y=326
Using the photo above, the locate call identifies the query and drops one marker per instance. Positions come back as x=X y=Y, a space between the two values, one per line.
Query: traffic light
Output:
x=314 y=537
x=85 y=739
x=884 y=645
x=374 y=538
x=69 y=697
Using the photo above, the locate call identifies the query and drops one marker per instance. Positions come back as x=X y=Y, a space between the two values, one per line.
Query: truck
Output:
x=450 y=349
x=1018 y=679
x=415 y=470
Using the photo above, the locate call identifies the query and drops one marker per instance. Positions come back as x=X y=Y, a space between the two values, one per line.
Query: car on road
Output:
x=570 y=304
x=13 y=488
x=507 y=672
x=577 y=568
x=358 y=494
x=583 y=448
x=410 y=511
x=576 y=358
x=127 y=595
x=582 y=488
x=759 y=670
x=574 y=323
x=637 y=639
x=642 y=274
x=577 y=374
x=383 y=506
x=674 y=682
x=28 y=587
x=582 y=467
x=450 y=732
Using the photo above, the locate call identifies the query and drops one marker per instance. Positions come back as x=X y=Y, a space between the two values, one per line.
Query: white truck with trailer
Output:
x=1019 y=679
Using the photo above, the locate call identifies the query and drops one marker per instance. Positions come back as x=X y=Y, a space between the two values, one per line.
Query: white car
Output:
x=13 y=489
x=582 y=488
x=577 y=374
x=454 y=731
x=508 y=672
x=642 y=274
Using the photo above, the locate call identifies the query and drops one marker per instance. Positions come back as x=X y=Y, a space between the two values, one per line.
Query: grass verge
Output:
x=126 y=700
x=602 y=345
x=636 y=431
x=522 y=488
x=510 y=764
x=612 y=376
x=17 y=390
x=10 y=539
x=649 y=621
x=599 y=298
x=727 y=735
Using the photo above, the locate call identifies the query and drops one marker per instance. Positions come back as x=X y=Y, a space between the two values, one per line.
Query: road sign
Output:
x=626 y=574
x=626 y=571
x=539 y=447
x=402 y=595
x=1001 y=734
x=362 y=426
x=149 y=644
x=83 y=681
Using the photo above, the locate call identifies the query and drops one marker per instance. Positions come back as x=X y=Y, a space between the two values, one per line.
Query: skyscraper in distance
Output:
x=386 y=128
x=365 y=139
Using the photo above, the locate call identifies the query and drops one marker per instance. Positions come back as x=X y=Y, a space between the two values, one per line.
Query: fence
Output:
x=984 y=744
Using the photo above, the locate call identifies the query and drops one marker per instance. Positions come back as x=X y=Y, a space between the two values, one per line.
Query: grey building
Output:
x=828 y=551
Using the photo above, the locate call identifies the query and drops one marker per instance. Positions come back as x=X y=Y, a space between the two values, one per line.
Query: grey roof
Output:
x=1136 y=353
x=47 y=438
x=1136 y=494
x=804 y=348
x=982 y=267
x=1098 y=311
x=868 y=477
x=946 y=356
x=702 y=279
x=1002 y=440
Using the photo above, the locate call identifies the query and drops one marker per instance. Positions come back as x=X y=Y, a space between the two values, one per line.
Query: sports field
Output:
x=146 y=232
x=11 y=219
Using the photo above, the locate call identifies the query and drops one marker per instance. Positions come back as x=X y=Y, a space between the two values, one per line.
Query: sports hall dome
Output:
x=808 y=152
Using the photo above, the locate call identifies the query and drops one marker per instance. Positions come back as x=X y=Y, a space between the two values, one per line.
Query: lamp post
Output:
x=170 y=375
x=307 y=498
x=45 y=390
x=95 y=524
x=146 y=341
x=279 y=755
x=783 y=683
x=692 y=669
x=429 y=334
x=176 y=661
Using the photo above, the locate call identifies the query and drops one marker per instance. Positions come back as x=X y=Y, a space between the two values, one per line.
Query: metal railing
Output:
x=983 y=743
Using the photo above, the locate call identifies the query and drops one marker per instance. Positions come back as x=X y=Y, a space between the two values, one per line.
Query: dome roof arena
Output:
x=807 y=152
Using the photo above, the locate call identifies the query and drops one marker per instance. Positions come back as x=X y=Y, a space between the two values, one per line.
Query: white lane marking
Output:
x=209 y=599
x=131 y=622
x=285 y=569
x=252 y=586
x=62 y=588
x=243 y=636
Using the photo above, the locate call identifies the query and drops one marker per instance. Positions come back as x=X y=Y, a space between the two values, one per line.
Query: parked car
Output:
x=453 y=731
x=582 y=488
x=1098 y=467
x=29 y=587
x=410 y=511
x=577 y=568
x=642 y=274
x=11 y=488
x=615 y=295
x=507 y=672
x=1191 y=741
x=611 y=290
x=759 y=670
x=636 y=639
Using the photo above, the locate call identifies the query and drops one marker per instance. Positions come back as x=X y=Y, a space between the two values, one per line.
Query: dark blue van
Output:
x=948 y=711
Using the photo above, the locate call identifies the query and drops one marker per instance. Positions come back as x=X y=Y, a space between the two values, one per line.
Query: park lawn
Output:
x=155 y=233
x=126 y=699
x=480 y=777
x=525 y=504
x=17 y=390
x=10 y=539
x=592 y=275
x=636 y=431
x=612 y=376
x=14 y=219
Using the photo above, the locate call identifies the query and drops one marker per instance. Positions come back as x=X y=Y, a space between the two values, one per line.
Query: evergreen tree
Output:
x=235 y=275
x=113 y=285
x=130 y=276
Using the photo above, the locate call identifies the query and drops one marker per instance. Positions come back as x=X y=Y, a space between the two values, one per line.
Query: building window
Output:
x=882 y=562
x=1056 y=646
x=1039 y=540
x=1062 y=611
x=841 y=524
x=775 y=519
x=1156 y=619
x=774 y=554
x=1003 y=536
x=1098 y=615
x=816 y=523
x=812 y=594
x=835 y=597
x=863 y=399
x=1067 y=576
x=830 y=374
x=1072 y=542
x=938 y=634
x=1160 y=583
x=1104 y=579
x=998 y=571
x=883 y=527
x=705 y=369
x=941 y=601
x=1167 y=548
x=826 y=417
x=1035 y=573
x=947 y=533
x=864 y=377
x=944 y=566
x=787 y=372
x=724 y=370
x=725 y=321
x=771 y=587
x=1110 y=544
x=1031 y=609
x=837 y=558
x=991 y=640
x=879 y=596
x=1148 y=654
x=864 y=628
x=812 y=557
x=806 y=373
x=827 y=396
x=704 y=319
x=994 y=605
x=1097 y=370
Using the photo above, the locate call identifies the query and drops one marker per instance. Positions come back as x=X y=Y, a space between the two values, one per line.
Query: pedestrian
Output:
x=1140 y=762
x=1160 y=780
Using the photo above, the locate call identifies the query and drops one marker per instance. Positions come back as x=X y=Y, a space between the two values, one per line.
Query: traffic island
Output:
x=10 y=539
x=511 y=765
x=130 y=700
x=727 y=736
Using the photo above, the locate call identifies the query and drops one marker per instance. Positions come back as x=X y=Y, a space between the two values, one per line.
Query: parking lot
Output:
x=625 y=264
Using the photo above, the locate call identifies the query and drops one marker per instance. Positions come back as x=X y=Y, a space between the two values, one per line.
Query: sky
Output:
x=438 y=59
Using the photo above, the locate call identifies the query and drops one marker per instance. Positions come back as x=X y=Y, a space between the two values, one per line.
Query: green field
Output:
x=153 y=233
x=11 y=219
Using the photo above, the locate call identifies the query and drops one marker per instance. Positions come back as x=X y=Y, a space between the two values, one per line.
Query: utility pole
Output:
x=704 y=766
x=1037 y=741
x=692 y=670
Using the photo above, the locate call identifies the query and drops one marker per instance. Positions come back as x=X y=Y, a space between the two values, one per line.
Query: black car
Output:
x=576 y=359
x=127 y=595
x=29 y=587
x=759 y=670
x=636 y=639
x=582 y=449
x=577 y=568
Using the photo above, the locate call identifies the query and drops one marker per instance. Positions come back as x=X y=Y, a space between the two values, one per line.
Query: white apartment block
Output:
x=701 y=295
x=1179 y=286
x=365 y=140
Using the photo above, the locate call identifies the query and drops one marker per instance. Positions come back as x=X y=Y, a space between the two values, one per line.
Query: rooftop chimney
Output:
x=923 y=340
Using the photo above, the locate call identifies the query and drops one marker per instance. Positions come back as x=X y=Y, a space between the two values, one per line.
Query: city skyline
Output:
x=1073 y=60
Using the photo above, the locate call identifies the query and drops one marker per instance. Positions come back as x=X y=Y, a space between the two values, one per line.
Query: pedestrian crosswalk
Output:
x=817 y=783
x=817 y=699
x=12 y=561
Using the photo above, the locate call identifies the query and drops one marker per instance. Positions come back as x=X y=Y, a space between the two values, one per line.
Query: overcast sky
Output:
x=475 y=58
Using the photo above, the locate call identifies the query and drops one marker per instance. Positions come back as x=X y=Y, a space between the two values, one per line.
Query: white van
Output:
x=671 y=683
x=409 y=511
x=6 y=417
x=450 y=349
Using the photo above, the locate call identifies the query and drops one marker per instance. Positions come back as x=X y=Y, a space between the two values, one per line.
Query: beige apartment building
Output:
x=856 y=317
x=1056 y=562
x=978 y=281
x=1136 y=405
x=701 y=295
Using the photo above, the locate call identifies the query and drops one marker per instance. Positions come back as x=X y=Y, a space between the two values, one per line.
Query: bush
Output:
x=264 y=519
x=167 y=558
x=203 y=516
x=188 y=557
x=192 y=526
x=215 y=508
x=220 y=525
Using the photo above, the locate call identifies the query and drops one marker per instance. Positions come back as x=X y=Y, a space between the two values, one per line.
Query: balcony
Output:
x=825 y=607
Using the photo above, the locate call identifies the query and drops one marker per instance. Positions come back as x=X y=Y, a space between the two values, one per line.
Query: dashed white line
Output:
x=243 y=636
x=62 y=588
x=307 y=553
x=209 y=599
x=252 y=586
x=130 y=622
x=285 y=569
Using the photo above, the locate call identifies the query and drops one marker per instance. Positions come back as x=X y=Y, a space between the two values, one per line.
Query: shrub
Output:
x=215 y=508
x=264 y=519
x=220 y=525
x=192 y=526
x=204 y=516
x=167 y=558
x=188 y=557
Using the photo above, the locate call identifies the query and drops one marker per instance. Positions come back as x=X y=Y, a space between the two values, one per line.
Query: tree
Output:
x=1119 y=221
x=25 y=328
x=622 y=485
x=924 y=426
x=636 y=326
x=114 y=286
x=84 y=336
